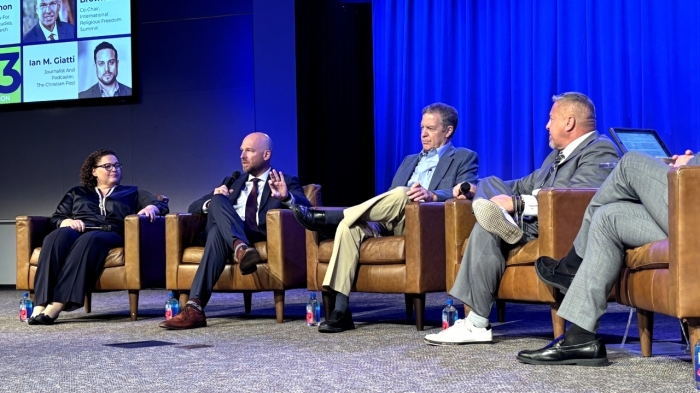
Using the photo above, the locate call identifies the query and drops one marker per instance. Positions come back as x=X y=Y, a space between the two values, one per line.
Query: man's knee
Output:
x=217 y=202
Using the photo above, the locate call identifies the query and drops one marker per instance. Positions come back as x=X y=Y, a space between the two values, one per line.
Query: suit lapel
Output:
x=264 y=198
x=442 y=167
x=237 y=187
x=578 y=150
x=407 y=171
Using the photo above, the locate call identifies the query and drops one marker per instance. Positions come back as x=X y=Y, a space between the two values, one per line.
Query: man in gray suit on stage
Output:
x=426 y=176
x=578 y=151
x=629 y=210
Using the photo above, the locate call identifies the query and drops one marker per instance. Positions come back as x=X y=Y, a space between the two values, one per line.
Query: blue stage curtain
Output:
x=499 y=63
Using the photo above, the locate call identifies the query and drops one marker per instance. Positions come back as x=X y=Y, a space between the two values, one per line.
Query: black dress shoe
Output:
x=32 y=321
x=313 y=220
x=337 y=322
x=591 y=354
x=546 y=269
x=43 y=319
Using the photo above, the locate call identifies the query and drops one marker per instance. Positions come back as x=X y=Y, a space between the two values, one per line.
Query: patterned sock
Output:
x=577 y=335
x=196 y=303
x=334 y=217
x=341 y=302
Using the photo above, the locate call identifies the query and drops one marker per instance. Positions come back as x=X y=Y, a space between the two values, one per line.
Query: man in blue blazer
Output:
x=49 y=27
x=428 y=175
x=235 y=220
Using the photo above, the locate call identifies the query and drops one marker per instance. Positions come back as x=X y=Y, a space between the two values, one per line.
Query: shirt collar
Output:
x=47 y=32
x=440 y=150
x=262 y=177
x=574 y=144
x=116 y=91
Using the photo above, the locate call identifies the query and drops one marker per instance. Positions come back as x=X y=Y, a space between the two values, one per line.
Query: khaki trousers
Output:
x=382 y=215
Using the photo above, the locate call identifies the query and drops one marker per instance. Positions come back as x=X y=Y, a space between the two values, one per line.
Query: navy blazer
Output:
x=457 y=165
x=66 y=31
x=94 y=91
x=266 y=201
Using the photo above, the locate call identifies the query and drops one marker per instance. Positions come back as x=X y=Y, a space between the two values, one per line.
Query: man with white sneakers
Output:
x=578 y=151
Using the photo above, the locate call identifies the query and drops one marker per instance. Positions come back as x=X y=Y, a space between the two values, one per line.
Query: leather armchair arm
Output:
x=144 y=252
x=459 y=222
x=425 y=247
x=181 y=231
x=286 y=247
x=684 y=240
x=31 y=231
x=560 y=213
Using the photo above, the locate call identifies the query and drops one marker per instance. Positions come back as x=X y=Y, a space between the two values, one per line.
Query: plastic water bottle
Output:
x=313 y=310
x=172 y=306
x=25 y=307
x=449 y=315
x=696 y=354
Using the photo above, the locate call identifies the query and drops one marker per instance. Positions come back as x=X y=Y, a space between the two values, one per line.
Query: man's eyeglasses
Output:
x=44 y=6
x=109 y=167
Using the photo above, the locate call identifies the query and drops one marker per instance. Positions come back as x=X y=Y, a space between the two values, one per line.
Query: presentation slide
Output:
x=55 y=50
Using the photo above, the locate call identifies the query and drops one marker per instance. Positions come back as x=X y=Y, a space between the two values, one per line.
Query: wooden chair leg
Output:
x=501 y=310
x=184 y=298
x=409 y=305
x=328 y=303
x=693 y=336
x=558 y=323
x=279 y=305
x=247 y=301
x=134 y=303
x=88 y=302
x=419 y=307
x=645 y=322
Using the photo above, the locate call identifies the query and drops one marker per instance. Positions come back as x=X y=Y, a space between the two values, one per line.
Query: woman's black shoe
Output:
x=43 y=319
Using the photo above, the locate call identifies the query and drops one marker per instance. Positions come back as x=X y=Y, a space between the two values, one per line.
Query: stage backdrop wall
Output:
x=500 y=62
x=211 y=72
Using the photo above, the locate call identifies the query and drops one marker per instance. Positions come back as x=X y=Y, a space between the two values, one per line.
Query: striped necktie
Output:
x=555 y=164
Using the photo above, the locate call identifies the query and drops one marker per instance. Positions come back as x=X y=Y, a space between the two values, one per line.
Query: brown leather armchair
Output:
x=663 y=276
x=140 y=264
x=284 y=253
x=412 y=264
x=560 y=215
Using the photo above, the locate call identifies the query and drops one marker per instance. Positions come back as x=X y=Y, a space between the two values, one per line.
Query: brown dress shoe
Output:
x=248 y=259
x=189 y=318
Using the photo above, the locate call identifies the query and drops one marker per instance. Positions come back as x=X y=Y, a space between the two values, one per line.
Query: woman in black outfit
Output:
x=89 y=222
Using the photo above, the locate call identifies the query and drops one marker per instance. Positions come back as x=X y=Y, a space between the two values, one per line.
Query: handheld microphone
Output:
x=465 y=187
x=106 y=228
x=230 y=180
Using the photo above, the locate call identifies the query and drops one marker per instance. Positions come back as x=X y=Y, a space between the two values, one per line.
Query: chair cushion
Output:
x=194 y=254
x=114 y=258
x=649 y=256
x=385 y=250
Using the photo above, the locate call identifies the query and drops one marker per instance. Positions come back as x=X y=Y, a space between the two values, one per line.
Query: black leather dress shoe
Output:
x=546 y=269
x=43 y=319
x=337 y=322
x=313 y=220
x=591 y=354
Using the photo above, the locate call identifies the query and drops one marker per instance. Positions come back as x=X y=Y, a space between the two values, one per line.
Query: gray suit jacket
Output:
x=457 y=165
x=580 y=170
x=94 y=91
x=65 y=32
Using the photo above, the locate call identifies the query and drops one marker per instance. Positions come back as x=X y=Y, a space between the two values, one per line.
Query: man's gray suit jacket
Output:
x=580 y=170
x=457 y=165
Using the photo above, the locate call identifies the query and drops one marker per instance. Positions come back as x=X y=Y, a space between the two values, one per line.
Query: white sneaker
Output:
x=462 y=332
x=496 y=220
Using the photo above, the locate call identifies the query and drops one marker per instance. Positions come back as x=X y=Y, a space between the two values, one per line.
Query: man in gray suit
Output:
x=574 y=163
x=629 y=210
x=426 y=176
x=107 y=69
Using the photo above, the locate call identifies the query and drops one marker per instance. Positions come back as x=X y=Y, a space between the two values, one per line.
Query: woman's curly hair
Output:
x=86 y=177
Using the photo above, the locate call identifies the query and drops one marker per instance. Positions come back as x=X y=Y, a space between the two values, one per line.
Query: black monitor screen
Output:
x=647 y=141
x=57 y=50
